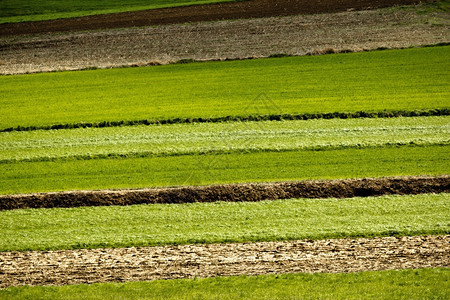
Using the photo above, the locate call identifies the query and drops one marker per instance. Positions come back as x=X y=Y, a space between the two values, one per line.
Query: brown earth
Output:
x=199 y=13
x=233 y=192
x=293 y=35
x=189 y=261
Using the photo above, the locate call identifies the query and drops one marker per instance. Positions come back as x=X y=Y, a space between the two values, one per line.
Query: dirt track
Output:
x=213 y=12
x=233 y=192
x=170 y=262
x=294 y=35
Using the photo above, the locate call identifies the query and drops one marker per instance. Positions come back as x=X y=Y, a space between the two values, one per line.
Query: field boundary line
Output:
x=249 y=192
x=247 y=118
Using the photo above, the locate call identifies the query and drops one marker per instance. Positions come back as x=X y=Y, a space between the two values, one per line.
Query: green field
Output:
x=410 y=79
x=60 y=175
x=404 y=284
x=196 y=138
x=221 y=222
x=12 y=11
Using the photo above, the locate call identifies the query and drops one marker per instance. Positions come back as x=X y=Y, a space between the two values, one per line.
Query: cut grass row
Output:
x=13 y=11
x=61 y=175
x=223 y=222
x=185 y=139
x=403 y=284
x=409 y=79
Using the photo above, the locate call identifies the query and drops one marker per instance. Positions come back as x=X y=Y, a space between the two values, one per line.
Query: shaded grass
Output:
x=60 y=175
x=13 y=11
x=409 y=79
x=394 y=284
x=182 y=139
x=222 y=222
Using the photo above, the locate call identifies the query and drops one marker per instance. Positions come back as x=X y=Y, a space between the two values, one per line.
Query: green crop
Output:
x=409 y=79
x=219 y=222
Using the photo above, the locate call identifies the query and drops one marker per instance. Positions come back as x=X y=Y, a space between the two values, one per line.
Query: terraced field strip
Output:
x=196 y=138
x=392 y=284
x=419 y=25
x=223 y=222
x=233 y=193
x=410 y=79
x=66 y=175
x=224 y=11
x=189 y=261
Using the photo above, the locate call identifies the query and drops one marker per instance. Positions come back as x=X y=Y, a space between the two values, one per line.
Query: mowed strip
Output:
x=172 y=262
x=409 y=79
x=397 y=284
x=223 y=222
x=197 y=138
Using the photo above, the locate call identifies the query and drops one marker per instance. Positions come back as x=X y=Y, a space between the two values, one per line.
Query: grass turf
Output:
x=27 y=177
x=222 y=222
x=409 y=79
x=394 y=284
x=179 y=139
x=13 y=11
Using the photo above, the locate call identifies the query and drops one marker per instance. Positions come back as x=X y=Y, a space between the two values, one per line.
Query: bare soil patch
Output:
x=211 y=12
x=238 y=39
x=189 y=261
x=233 y=192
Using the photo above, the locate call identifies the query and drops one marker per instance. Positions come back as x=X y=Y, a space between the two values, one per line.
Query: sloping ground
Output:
x=233 y=192
x=212 y=12
x=293 y=35
x=189 y=261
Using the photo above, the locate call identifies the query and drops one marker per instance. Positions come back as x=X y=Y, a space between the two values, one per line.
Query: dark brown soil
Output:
x=189 y=261
x=211 y=12
x=233 y=192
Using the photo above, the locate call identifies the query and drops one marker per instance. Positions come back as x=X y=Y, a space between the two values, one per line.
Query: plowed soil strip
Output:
x=254 y=38
x=188 y=261
x=212 y=12
x=233 y=192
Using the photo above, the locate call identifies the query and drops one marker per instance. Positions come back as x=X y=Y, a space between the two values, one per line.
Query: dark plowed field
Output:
x=233 y=192
x=212 y=12
x=189 y=261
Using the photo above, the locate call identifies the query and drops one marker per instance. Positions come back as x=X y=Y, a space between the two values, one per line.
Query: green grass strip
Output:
x=393 y=80
x=223 y=222
x=185 y=139
x=13 y=11
x=27 y=177
x=393 y=284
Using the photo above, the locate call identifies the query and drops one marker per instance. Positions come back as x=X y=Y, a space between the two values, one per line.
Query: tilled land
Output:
x=237 y=39
x=188 y=261
x=233 y=192
x=199 y=13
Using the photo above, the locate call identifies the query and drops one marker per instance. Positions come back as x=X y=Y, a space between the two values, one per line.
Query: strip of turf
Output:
x=13 y=11
x=179 y=139
x=221 y=222
x=28 y=177
x=394 y=284
x=409 y=79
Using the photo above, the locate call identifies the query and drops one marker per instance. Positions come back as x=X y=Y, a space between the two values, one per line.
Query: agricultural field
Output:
x=12 y=11
x=282 y=176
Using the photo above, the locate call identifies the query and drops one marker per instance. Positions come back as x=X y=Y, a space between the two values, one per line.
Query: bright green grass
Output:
x=401 y=284
x=12 y=11
x=406 y=79
x=220 y=222
x=25 y=177
x=222 y=137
